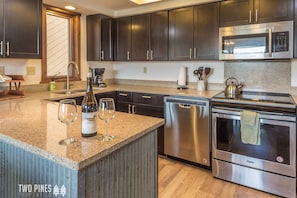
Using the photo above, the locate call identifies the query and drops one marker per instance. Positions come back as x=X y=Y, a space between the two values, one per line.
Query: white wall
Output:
x=19 y=67
x=166 y=71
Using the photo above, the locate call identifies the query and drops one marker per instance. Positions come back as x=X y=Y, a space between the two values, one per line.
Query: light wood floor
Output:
x=179 y=180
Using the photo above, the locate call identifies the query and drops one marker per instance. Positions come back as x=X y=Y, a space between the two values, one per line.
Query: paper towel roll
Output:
x=182 y=77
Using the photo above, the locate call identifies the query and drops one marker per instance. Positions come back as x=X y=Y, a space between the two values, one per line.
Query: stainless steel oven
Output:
x=270 y=166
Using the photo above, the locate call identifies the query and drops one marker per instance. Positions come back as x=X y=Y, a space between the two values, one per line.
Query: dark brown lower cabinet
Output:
x=153 y=111
x=143 y=104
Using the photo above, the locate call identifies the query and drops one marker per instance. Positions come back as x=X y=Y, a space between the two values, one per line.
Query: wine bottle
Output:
x=89 y=108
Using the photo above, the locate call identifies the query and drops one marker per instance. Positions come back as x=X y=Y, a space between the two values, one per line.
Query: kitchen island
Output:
x=33 y=164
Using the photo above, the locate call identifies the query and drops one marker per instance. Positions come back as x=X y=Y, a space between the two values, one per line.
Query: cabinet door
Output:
x=93 y=38
x=1 y=28
x=295 y=31
x=159 y=36
x=206 y=36
x=123 y=107
x=181 y=34
x=236 y=12
x=106 y=39
x=140 y=37
x=153 y=111
x=273 y=10
x=123 y=38
x=23 y=28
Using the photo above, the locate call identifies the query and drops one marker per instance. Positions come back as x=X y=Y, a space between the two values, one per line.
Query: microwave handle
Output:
x=270 y=42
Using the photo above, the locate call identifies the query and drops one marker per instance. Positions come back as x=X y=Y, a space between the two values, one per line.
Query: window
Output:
x=61 y=43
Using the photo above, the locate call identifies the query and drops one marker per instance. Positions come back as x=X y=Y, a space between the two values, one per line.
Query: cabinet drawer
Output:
x=124 y=96
x=105 y=95
x=150 y=99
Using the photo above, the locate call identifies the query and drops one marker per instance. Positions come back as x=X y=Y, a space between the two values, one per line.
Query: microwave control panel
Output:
x=280 y=41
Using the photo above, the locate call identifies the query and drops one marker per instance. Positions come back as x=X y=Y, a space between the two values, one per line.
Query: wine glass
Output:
x=67 y=113
x=106 y=112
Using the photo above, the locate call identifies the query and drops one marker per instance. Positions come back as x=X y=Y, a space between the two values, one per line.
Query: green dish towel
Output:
x=250 y=127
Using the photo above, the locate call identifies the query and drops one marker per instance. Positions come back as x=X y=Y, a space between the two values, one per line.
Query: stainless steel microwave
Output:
x=256 y=41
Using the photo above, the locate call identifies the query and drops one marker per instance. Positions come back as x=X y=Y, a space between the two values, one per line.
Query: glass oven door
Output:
x=276 y=152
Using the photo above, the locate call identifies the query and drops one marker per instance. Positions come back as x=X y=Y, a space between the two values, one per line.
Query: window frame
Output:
x=74 y=19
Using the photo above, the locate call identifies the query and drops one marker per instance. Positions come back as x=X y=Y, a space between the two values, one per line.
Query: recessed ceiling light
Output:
x=140 y=2
x=69 y=7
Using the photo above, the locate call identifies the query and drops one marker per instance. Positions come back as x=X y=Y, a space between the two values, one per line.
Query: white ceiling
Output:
x=118 y=8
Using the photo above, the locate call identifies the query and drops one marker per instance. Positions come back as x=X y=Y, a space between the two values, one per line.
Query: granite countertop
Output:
x=129 y=88
x=33 y=125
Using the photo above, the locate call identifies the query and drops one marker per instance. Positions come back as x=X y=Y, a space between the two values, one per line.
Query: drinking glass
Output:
x=106 y=112
x=67 y=113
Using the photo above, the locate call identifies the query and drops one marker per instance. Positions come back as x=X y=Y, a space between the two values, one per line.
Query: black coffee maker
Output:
x=97 y=74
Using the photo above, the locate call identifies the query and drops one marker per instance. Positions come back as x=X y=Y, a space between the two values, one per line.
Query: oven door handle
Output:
x=263 y=114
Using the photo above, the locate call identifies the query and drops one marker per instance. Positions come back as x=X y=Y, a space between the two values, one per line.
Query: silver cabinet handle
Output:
x=270 y=42
x=146 y=97
x=129 y=108
x=123 y=94
x=1 y=48
x=250 y=16
x=195 y=53
x=133 y=109
x=256 y=19
x=147 y=55
x=151 y=54
x=7 y=49
x=190 y=53
x=128 y=55
x=102 y=55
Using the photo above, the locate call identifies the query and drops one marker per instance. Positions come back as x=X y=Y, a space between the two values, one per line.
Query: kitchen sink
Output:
x=71 y=91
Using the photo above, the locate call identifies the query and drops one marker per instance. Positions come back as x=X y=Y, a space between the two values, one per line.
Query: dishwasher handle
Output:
x=187 y=102
x=185 y=106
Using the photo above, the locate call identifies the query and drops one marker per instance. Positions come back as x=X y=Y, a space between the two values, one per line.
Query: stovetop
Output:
x=258 y=98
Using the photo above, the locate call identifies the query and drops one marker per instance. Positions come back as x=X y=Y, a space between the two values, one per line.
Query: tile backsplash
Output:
x=261 y=76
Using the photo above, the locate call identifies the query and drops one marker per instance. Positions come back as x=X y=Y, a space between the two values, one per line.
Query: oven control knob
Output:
x=279 y=159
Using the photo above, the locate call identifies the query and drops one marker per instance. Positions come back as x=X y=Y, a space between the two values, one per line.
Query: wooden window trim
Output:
x=75 y=40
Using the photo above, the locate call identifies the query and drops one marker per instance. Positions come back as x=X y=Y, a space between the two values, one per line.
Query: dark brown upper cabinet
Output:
x=158 y=36
x=140 y=37
x=146 y=38
x=242 y=12
x=193 y=33
x=123 y=39
x=150 y=37
x=99 y=38
x=20 y=28
x=206 y=32
x=181 y=29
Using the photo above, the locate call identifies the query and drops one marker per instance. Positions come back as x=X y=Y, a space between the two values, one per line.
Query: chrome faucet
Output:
x=67 y=82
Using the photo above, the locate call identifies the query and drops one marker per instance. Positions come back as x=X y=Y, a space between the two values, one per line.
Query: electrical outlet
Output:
x=2 y=70
x=31 y=70
x=144 y=70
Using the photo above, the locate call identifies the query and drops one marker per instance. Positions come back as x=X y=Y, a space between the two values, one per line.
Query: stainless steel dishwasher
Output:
x=186 y=133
